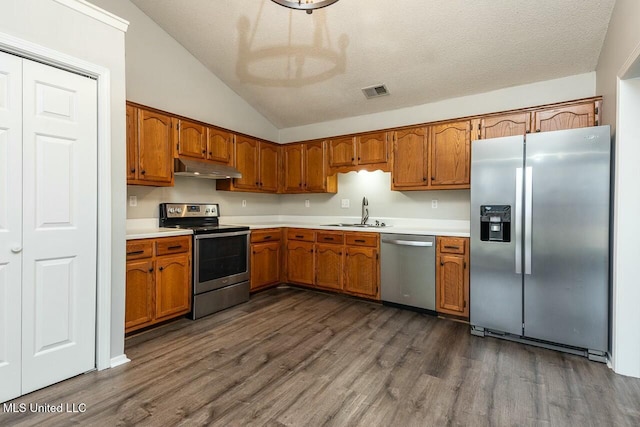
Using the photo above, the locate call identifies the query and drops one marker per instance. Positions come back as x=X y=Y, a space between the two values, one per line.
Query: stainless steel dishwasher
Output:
x=408 y=270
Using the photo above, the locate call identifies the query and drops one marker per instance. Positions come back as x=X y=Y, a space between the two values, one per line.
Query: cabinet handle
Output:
x=204 y=151
x=358 y=158
x=340 y=253
x=299 y=236
x=135 y=253
x=143 y=172
x=424 y=178
x=433 y=178
x=175 y=247
x=352 y=159
x=267 y=237
x=300 y=185
x=257 y=183
x=151 y=270
x=451 y=247
x=133 y=170
x=161 y=268
x=360 y=240
x=210 y=153
x=311 y=250
x=537 y=130
x=441 y=263
x=328 y=238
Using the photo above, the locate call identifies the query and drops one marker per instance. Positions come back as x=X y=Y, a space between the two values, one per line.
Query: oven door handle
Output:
x=214 y=235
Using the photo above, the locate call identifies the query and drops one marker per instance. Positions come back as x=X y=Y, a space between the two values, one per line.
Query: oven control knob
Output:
x=172 y=210
x=179 y=210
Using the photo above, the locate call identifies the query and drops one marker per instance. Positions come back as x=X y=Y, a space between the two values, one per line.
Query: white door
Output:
x=54 y=172
x=10 y=224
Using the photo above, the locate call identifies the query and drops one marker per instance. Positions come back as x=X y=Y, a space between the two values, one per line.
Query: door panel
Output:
x=496 y=288
x=566 y=294
x=155 y=146
x=268 y=167
x=315 y=167
x=410 y=159
x=293 y=168
x=10 y=224
x=450 y=152
x=192 y=140
x=59 y=232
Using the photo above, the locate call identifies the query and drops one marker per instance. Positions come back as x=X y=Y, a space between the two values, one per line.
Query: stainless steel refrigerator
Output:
x=540 y=239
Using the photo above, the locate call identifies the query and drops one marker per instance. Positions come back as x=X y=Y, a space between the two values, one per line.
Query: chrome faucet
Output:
x=365 y=211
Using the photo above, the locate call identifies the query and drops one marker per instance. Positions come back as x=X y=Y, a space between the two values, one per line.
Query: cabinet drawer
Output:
x=138 y=249
x=362 y=239
x=452 y=245
x=267 y=235
x=301 y=234
x=330 y=237
x=171 y=245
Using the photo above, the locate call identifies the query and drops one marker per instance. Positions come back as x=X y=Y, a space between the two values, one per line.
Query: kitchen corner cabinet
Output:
x=149 y=147
x=258 y=163
x=410 y=159
x=450 y=158
x=305 y=169
x=158 y=280
x=266 y=258
x=368 y=151
x=452 y=276
x=577 y=115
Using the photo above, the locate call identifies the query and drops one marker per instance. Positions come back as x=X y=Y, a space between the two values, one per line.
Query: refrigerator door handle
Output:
x=528 y=182
x=518 y=221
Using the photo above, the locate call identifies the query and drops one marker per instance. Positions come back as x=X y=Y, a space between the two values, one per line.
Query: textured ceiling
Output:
x=298 y=69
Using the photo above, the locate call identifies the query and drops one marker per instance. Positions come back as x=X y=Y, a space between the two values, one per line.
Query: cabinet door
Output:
x=329 y=266
x=268 y=167
x=219 y=145
x=410 y=159
x=265 y=264
x=192 y=140
x=139 y=294
x=293 y=159
x=342 y=152
x=450 y=290
x=155 y=147
x=361 y=271
x=173 y=285
x=505 y=125
x=246 y=157
x=132 y=142
x=300 y=262
x=451 y=153
x=315 y=169
x=567 y=117
x=372 y=148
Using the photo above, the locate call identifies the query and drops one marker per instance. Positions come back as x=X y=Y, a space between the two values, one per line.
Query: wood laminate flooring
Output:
x=292 y=357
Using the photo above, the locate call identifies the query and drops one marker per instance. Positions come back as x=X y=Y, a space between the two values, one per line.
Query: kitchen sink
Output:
x=356 y=225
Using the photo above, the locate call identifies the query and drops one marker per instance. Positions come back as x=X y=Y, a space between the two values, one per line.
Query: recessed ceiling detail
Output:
x=425 y=51
x=375 y=91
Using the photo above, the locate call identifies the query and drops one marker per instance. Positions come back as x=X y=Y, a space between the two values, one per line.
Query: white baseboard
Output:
x=119 y=360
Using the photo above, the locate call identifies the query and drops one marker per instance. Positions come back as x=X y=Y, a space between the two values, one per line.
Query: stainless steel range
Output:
x=220 y=256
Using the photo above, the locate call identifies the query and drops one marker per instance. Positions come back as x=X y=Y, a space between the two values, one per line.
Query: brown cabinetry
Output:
x=265 y=258
x=368 y=151
x=305 y=169
x=329 y=260
x=192 y=140
x=498 y=126
x=566 y=117
x=258 y=163
x=450 y=159
x=452 y=276
x=410 y=159
x=219 y=145
x=149 y=147
x=362 y=265
x=158 y=280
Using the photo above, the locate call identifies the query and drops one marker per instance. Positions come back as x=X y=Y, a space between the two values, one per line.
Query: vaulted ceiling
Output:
x=297 y=69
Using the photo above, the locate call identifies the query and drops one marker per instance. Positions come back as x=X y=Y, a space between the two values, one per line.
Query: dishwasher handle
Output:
x=407 y=242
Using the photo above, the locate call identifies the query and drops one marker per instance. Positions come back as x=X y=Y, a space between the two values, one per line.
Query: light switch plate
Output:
x=133 y=201
x=434 y=204
x=344 y=203
x=244 y=203
x=307 y=203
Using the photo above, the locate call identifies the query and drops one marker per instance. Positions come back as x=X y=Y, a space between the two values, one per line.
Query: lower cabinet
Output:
x=452 y=276
x=300 y=262
x=158 y=277
x=329 y=260
x=266 y=258
x=362 y=272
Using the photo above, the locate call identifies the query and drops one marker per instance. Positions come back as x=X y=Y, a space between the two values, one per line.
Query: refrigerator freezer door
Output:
x=566 y=293
x=495 y=283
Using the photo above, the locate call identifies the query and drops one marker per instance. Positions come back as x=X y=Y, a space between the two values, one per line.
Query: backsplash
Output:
x=451 y=204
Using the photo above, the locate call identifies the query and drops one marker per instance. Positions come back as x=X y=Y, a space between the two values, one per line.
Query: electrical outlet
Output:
x=344 y=204
x=244 y=203
x=133 y=201
x=307 y=203
x=434 y=204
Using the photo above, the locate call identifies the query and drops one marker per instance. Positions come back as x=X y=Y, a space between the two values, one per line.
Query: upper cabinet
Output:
x=573 y=116
x=149 y=147
x=304 y=167
x=219 y=145
x=368 y=151
x=511 y=124
x=258 y=163
x=410 y=159
x=450 y=159
x=192 y=140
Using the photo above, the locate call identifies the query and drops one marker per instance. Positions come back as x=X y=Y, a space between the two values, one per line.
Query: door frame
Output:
x=36 y=52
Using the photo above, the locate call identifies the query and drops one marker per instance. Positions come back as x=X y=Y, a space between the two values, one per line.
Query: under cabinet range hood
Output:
x=184 y=167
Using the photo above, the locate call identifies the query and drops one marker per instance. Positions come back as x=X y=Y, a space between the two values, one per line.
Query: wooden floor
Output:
x=292 y=357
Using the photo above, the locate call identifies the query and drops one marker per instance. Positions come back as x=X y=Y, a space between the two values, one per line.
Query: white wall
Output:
x=163 y=74
x=620 y=57
x=60 y=28
x=545 y=92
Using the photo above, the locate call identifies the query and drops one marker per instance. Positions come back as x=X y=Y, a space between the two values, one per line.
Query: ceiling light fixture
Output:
x=306 y=5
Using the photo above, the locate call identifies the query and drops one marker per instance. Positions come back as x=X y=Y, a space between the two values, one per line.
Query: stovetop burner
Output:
x=199 y=217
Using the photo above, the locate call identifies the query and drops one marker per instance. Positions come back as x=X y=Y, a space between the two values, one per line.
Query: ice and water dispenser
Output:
x=495 y=223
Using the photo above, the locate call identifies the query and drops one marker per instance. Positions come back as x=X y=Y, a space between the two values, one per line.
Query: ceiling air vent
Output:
x=375 y=91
